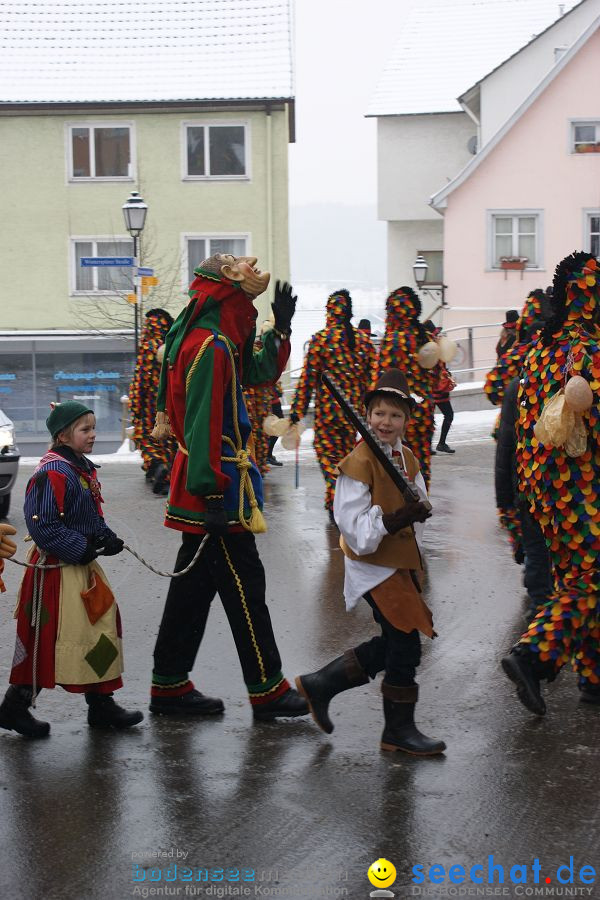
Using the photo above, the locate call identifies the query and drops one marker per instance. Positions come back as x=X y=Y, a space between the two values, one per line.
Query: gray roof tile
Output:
x=145 y=50
x=446 y=46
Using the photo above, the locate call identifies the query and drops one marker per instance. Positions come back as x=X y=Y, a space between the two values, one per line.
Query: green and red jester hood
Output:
x=208 y=359
x=219 y=306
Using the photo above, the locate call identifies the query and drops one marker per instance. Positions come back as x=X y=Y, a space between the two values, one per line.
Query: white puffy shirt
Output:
x=361 y=524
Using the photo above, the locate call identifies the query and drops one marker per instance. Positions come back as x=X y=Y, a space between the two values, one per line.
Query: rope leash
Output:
x=141 y=559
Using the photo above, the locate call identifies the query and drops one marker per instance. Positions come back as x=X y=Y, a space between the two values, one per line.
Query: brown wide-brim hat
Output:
x=392 y=384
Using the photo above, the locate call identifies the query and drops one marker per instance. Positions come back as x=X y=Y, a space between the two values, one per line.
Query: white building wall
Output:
x=503 y=91
x=417 y=155
x=405 y=239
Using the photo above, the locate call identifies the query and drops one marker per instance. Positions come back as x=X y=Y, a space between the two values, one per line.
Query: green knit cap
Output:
x=64 y=414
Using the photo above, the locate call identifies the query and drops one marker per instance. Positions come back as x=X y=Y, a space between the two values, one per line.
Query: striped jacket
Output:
x=63 y=505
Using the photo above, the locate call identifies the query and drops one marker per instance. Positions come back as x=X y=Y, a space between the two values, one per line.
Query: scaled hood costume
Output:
x=348 y=354
x=142 y=393
x=403 y=336
x=564 y=488
x=535 y=312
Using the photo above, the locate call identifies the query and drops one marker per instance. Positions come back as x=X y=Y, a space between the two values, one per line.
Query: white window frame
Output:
x=577 y=122
x=207 y=236
x=492 y=214
x=207 y=124
x=73 y=179
x=587 y=226
x=93 y=239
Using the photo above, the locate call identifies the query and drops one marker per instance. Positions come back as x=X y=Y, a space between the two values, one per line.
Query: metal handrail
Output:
x=471 y=334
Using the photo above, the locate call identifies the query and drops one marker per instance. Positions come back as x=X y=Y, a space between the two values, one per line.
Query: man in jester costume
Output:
x=258 y=399
x=536 y=311
x=404 y=335
x=558 y=458
x=157 y=456
x=349 y=356
x=216 y=488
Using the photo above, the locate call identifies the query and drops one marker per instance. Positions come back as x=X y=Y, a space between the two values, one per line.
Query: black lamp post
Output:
x=134 y=213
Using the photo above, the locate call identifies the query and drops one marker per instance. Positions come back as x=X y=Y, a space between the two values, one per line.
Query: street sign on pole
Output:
x=116 y=261
x=142 y=270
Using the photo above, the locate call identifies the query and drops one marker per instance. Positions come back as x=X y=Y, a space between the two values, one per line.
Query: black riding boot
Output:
x=400 y=732
x=15 y=715
x=320 y=687
x=526 y=671
x=103 y=712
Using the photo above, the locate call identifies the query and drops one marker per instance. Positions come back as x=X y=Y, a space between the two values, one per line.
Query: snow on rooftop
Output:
x=144 y=50
x=447 y=46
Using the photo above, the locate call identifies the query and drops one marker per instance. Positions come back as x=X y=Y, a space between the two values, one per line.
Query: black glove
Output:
x=405 y=516
x=284 y=307
x=110 y=546
x=215 y=517
x=89 y=553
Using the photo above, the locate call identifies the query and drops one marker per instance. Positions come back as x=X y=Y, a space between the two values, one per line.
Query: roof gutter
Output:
x=59 y=107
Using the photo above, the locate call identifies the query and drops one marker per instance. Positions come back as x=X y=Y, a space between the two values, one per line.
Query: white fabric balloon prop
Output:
x=428 y=355
x=447 y=348
x=578 y=394
x=560 y=423
x=282 y=428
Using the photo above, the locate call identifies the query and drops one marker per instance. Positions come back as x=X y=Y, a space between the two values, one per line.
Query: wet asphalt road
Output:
x=309 y=811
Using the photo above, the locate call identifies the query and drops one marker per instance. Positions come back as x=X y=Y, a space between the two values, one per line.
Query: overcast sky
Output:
x=341 y=48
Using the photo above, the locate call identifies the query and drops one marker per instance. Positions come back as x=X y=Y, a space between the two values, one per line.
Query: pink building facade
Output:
x=533 y=191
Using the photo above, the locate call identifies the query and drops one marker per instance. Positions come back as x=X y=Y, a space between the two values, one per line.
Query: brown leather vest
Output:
x=398 y=551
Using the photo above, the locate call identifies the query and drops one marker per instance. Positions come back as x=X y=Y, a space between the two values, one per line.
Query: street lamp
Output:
x=134 y=213
x=420 y=269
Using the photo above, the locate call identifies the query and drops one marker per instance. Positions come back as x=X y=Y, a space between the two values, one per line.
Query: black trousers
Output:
x=445 y=407
x=397 y=652
x=538 y=569
x=231 y=567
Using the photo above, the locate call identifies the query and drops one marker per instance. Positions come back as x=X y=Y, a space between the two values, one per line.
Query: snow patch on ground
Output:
x=467 y=428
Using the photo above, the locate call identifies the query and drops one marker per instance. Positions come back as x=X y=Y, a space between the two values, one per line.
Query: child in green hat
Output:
x=68 y=623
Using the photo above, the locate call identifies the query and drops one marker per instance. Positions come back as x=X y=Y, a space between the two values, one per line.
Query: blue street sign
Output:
x=142 y=270
x=119 y=261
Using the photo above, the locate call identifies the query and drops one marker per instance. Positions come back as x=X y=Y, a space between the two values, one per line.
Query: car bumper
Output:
x=9 y=468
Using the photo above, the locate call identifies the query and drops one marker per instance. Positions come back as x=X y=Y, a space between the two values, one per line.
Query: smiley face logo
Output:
x=381 y=873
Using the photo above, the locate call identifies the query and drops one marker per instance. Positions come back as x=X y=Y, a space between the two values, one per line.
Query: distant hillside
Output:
x=333 y=242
